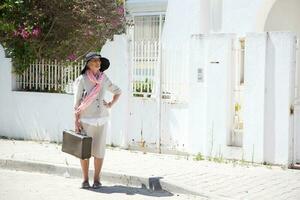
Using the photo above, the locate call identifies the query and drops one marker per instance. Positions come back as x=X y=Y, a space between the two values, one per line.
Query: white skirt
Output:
x=96 y=128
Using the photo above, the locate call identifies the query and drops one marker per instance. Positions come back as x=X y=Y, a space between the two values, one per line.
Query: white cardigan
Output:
x=96 y=113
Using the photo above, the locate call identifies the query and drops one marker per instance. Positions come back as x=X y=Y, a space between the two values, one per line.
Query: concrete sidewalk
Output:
x=171 y=172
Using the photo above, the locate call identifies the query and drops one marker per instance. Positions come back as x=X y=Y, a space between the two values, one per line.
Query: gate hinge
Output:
x=291 y=109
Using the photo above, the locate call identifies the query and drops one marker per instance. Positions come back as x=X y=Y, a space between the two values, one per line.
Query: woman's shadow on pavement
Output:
x=131 y=191
x=154 y=189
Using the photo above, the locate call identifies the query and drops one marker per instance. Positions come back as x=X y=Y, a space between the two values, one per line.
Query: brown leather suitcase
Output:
x=78 y=145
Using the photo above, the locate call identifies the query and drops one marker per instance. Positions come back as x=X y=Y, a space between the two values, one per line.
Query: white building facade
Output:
x=227 y=75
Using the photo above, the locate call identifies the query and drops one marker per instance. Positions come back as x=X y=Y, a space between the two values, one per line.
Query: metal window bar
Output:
x=144 y=64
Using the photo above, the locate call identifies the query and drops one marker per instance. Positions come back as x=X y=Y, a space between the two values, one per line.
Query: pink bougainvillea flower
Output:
x=72 y=57
x=24 y=34
x=115 y=23
x=120 y=10
x=36 y=31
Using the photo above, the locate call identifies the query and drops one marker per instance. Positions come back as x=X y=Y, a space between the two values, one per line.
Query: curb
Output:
x=152 y=183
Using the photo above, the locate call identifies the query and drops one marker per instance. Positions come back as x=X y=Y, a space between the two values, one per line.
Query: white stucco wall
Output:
x=240 y=16
x=43 y=116
x=32 y=115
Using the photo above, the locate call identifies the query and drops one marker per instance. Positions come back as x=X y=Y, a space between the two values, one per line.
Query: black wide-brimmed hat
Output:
x=104 y=61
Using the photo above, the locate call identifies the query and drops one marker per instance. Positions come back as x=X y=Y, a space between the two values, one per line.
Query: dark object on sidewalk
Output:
x=154 y=183
x=78 y=145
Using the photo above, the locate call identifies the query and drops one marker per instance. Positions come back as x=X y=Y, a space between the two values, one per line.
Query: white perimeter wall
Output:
x=43 y=116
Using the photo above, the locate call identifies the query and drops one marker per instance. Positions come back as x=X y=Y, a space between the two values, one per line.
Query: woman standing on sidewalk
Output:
x=91 y=111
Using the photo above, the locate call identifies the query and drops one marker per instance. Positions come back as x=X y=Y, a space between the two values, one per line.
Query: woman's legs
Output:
x=98 y=162
x=85 y=168
x=99 y=151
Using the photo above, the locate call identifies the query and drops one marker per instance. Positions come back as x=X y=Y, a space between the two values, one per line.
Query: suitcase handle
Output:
x=80 y=132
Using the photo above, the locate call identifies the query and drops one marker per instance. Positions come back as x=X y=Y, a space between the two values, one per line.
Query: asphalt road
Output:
x=18 y=185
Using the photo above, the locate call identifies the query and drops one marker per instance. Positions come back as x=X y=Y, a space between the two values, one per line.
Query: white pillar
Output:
x=219 y=91
x=280 y=93
x=254 y=96
x=269 y=93
x=197 y=140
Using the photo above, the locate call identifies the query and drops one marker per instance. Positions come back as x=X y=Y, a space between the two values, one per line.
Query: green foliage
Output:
x=63 y=30
x=145 y=86
x=199 y=156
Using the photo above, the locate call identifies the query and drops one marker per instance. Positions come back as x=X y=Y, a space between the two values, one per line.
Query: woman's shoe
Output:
x=85 y=184
x=97 y=184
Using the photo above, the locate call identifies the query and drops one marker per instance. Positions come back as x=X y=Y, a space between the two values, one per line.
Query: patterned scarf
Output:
x=89 y=99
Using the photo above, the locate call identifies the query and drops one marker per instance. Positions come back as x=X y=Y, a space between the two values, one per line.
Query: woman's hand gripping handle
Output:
x=78 y=126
